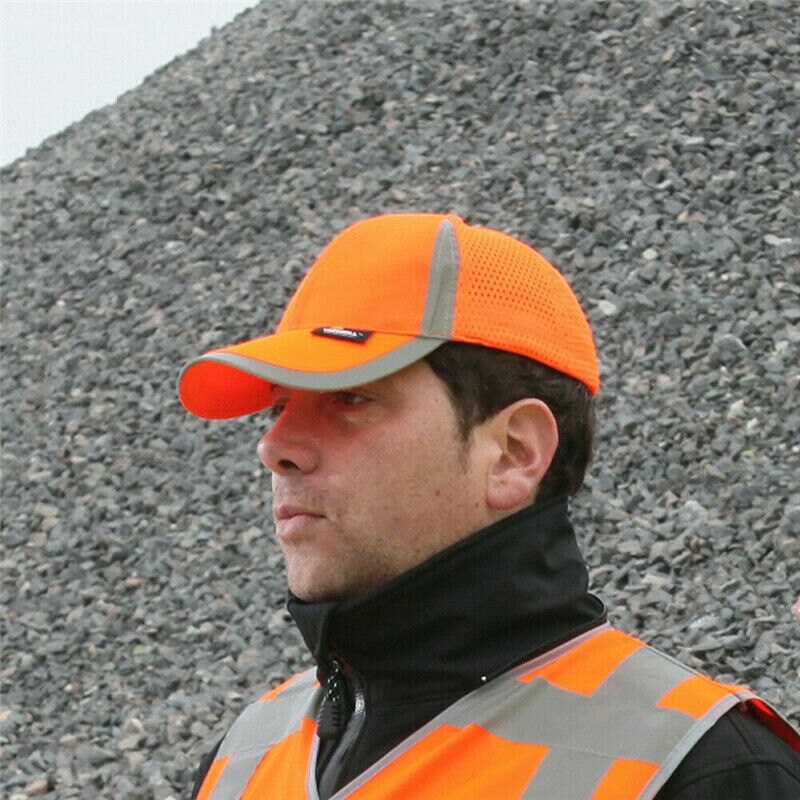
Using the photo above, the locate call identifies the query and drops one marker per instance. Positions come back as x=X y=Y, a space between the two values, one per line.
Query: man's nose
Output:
x=290 y=445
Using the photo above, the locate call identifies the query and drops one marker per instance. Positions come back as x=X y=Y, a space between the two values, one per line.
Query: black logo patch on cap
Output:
x=346 y=334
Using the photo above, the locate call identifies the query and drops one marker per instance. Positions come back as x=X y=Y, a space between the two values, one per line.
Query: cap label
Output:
x=347 y=334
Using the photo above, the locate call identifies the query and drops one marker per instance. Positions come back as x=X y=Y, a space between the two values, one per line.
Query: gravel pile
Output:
x=648 y=149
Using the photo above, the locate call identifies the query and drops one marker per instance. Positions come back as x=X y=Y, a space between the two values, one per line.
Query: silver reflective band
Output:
x=374 y=370
x=440 y=300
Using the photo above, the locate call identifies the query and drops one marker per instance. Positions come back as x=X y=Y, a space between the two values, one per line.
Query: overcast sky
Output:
x=61 y=59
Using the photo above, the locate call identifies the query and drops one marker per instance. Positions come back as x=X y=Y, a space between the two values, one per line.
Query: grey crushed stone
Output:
x=647 y=148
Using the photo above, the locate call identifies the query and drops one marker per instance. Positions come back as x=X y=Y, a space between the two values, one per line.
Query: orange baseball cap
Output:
x=386 y=292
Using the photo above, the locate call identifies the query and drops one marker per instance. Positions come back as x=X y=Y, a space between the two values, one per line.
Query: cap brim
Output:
x=237 y=380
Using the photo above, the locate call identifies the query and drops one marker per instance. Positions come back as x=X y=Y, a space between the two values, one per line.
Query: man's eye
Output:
x=349 y=398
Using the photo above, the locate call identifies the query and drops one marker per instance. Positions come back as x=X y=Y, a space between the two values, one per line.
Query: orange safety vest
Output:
x=603 y=717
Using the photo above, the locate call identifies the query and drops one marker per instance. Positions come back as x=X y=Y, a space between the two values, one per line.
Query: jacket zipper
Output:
x=334 y=712
x=339 y=722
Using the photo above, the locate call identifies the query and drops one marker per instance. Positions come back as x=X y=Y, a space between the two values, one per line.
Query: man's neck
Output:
x=513 y=589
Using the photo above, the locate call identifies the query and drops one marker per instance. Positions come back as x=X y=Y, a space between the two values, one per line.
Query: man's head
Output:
x=424 y=378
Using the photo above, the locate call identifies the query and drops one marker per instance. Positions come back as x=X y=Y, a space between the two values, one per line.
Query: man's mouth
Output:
x=282 y=511
x=291 y=520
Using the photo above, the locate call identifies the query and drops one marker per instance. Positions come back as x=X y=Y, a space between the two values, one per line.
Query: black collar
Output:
x=492 y=600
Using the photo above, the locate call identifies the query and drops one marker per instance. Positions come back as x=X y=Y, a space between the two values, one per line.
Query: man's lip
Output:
x=294 y=523
x=287 y=511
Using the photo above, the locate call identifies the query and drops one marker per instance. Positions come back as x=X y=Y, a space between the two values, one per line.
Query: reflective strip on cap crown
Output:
x=440 y=301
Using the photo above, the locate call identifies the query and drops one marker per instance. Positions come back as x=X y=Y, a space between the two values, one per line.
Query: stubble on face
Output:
x=392 y=489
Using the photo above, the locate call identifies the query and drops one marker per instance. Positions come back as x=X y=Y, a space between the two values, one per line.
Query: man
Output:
x=431 y=386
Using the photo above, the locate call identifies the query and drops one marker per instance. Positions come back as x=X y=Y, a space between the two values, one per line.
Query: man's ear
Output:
x=526 y=435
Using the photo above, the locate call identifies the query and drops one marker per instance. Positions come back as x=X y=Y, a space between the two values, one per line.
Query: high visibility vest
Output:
x=603 y=717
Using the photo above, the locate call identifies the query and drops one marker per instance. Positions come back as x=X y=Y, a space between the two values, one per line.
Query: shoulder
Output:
x=738 y=759
x=279 y=703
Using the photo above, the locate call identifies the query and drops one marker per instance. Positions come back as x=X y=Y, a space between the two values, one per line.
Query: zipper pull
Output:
x=334 y=712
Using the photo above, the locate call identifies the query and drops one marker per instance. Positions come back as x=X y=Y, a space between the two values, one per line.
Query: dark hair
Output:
x=482 y=381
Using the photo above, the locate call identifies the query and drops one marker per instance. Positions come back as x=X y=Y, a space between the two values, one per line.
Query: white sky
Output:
x=61 y=59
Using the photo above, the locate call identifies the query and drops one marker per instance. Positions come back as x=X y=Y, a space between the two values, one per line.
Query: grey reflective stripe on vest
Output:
x=619 y=721
x=586 y=735
x=261 y=726
x=645 y=678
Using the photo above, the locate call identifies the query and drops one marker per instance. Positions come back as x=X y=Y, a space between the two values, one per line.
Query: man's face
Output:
x=370 y=481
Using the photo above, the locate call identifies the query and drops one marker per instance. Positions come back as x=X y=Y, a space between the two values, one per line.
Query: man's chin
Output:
x=318 y=596
x=323 y=589
x=311 y=589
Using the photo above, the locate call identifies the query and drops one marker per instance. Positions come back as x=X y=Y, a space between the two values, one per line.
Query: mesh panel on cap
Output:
x=511 y=298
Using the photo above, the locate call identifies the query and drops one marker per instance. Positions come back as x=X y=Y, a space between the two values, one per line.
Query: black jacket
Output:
x=392 y=660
